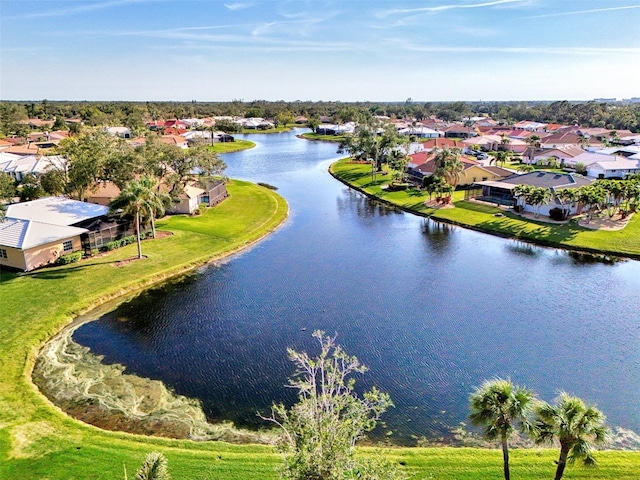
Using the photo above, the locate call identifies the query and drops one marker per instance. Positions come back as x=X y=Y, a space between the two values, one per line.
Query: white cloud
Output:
x=441 y=8
x=237 y=6
x=78 y=9
x=581 y=12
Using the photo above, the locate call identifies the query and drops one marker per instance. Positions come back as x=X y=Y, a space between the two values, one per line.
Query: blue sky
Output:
x=376 y=50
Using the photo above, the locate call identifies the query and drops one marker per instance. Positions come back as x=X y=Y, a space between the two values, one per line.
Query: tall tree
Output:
x=575 y=425
x=320 y=431
x=500 y=407
x=448 y=165
x=86 y=156
x=137 y=198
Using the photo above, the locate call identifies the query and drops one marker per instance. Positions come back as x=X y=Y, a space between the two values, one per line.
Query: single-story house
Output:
x=420 y=132
x=530 y=126
x=501 y=191
x=588 y=158
x=195 y=194
x=20 y=165
x=441 y=143
x=422 y=164
x=459 y=131
x=37 y=233
x=175 y=140
x=619 y=167
x=333 y=129
x=562 y=154
x=256 y=123
x=122 y=132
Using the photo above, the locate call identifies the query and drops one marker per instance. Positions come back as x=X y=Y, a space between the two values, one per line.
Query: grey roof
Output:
x=56 y=211
x=24 y=234
x=548 y=180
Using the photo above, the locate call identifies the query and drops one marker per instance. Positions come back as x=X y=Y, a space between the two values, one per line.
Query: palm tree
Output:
x=538 y=197
x=574 y=425
x=526 y=168
x=448 y=165
x=505 y=141
x=534 y=143
x=137 y=198
x=156 y=202
x=502 y=156
x=522 y=193
x=499 y=406
x=567 y=197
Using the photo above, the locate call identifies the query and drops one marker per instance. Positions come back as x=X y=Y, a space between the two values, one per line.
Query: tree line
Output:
x=135 y=114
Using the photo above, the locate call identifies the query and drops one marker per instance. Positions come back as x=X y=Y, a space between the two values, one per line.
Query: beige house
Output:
x=37 y=233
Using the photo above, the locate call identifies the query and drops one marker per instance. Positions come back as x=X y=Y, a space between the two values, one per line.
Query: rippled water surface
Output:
x=433 y=310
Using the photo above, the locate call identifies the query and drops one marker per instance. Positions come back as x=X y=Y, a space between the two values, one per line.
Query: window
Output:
x=3 y=253
x=67 y=245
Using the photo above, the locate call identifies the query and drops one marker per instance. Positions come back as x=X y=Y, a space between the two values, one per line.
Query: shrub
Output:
x=70 y=258
x=557 y=214
x=122 y=242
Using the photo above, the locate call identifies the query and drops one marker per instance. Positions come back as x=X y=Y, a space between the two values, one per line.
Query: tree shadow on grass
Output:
x=530 y=230
x=56 y=272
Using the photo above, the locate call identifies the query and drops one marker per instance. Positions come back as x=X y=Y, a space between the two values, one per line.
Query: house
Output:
x=587 y=158
x=420 y=132
x=494 y=142
x=20 y=165
x=561 y=154
x=37 y=233
x=530 y=126
x=441 y=143
x=618 y=168
x=122 y=132
x=630 y=140
x=175 y=140
x=459 y=131
x=422 y=164
x=332 y=129
x=561 y=139
x=195 y=194
x=501 y=191
x=256 y=123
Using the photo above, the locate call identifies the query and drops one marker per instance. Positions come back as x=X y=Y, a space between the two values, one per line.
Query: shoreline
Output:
x=75 y=312
x=539 y=241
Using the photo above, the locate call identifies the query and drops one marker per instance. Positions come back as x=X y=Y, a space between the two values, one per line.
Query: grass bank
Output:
x=322 y=138
x=37 y=440
x=228 y=147
x=482 y=217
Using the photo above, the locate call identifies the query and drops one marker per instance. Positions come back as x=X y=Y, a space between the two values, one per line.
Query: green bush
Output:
x=557 y=214
x=70 y=258
x=121 y=242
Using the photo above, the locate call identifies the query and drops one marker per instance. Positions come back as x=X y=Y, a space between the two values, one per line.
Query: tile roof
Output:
x=548 y=180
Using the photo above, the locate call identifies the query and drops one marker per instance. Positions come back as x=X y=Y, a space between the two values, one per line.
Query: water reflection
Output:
x=523 y=248
x=415 y=300
x=437 y=234
x=582 y=258
x=365 y=207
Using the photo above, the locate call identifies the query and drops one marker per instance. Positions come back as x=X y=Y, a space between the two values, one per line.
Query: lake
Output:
x=433 y=310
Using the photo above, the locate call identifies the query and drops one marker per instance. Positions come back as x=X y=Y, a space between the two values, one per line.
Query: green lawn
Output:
x=625 y=242
x=235 y=146
x=39 y=441
x=324 y=138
